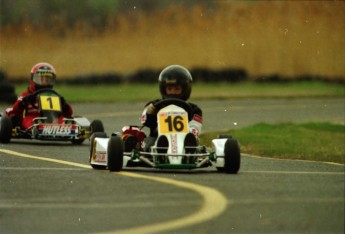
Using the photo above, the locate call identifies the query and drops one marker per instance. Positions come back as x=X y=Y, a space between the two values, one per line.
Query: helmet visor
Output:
x=174 y=91
x=44 y=78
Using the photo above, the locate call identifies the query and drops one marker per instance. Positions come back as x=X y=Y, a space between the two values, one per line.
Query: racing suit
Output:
x=23 y=112
x=150 y=121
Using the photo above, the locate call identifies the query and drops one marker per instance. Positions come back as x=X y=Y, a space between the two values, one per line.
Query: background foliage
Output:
x=264 y=38
x=94 y=13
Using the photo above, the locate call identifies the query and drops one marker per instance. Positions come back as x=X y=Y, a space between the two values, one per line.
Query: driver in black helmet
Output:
x=174 y=81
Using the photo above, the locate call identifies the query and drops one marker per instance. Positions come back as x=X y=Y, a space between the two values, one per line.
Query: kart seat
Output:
x=190 y=143
x=162 y=144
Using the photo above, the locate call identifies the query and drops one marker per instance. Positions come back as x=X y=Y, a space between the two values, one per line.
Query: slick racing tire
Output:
x=92 y=147
x=8 y=97
x=77 y=141
x=115 y=153
x=232 y=156
x=6 y=87
x=96 y=126
x=7 y=94
x=223 y=136
x=5 y=129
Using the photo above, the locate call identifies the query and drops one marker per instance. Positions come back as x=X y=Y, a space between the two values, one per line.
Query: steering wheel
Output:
x=174 y=101
x=45 y=90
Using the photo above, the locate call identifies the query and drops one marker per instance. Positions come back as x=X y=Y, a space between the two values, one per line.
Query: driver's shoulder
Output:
x=196 y=108
x=25 y=93
x=193 y=105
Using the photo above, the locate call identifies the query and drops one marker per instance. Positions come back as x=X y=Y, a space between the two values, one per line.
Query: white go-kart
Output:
x=174 y=148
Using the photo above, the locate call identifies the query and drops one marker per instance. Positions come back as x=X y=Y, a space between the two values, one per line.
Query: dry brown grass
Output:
x=287 y=38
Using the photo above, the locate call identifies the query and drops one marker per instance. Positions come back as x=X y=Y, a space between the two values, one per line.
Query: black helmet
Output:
x=175 y=75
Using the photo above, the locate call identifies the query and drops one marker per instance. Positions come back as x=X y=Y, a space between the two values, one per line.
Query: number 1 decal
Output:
x=51 y=103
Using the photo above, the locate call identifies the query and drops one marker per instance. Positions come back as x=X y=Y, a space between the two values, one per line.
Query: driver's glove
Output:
x=64 y=105
x=63 y=101
x=151 y=109
x=22 y=104
x=30 y=98
x=26 y=100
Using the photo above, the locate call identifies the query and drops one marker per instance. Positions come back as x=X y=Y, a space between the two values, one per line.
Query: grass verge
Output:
x=308 y=141
x=144 y=92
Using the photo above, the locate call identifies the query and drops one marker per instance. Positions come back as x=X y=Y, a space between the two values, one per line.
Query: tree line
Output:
x=95 y=13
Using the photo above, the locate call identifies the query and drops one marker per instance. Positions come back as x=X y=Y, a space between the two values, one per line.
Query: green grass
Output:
x=308 y=141
x=144 y=92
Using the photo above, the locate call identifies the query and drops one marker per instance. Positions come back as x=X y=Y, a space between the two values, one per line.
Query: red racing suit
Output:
x=22 y=114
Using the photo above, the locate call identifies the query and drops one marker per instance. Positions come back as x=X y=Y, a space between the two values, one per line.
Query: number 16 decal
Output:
x=173 y=123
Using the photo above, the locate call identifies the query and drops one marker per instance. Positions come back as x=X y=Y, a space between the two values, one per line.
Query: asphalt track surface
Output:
x=50 y=188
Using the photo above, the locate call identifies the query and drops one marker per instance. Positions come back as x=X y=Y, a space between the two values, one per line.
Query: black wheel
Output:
x=222 y=136
x=92 y=148
x=96 y=126
x=77 y=141
x=6 y=87
x=46 y=90
x=8 y=97
x=2 y=75
x=115 y=153
x=5 y=129
x=232 y=160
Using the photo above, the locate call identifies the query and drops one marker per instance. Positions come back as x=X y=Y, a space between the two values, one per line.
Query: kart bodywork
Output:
x=174 y=148
x=51 y=125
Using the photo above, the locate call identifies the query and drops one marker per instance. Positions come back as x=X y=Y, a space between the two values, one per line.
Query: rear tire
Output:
x=96 y=126
x=7 y=97
x=222 y=136
x=115 y=153
x=6 y=87
x=232 y=156
x=5 y=129
x=92 y=147
x=77 y=141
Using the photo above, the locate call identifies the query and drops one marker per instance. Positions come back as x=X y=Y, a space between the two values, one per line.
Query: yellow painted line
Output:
x=296 y=172
x=214 y=202
x=45 y=159
x=297 y=160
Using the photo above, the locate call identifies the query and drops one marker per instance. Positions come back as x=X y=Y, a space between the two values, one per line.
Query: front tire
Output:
x=92 y=148
x=115 y=153
x=232 y=156
x=5 y=129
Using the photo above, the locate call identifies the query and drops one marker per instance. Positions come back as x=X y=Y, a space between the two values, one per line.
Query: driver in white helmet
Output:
x=23 y=112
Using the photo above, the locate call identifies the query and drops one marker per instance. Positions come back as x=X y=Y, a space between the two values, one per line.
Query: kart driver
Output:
x=24 y=110
x=174 y=81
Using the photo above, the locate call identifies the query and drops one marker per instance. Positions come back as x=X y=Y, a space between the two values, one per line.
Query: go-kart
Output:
x=174 y=148
x=51 y=125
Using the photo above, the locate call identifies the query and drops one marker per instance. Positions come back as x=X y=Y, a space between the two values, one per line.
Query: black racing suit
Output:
x=150 y=120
